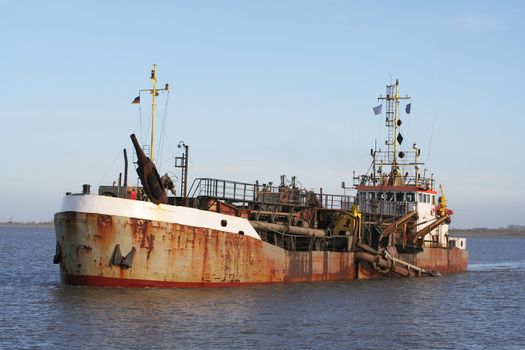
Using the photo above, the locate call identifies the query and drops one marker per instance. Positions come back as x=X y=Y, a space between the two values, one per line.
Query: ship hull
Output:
x=174 y=255
x=167 y=253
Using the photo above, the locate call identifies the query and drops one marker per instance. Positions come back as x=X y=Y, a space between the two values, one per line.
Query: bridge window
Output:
x=433 y=200
x=389 y=196
x=411 y=197
x=380 y=196
x=400 y=196
x=420 y=197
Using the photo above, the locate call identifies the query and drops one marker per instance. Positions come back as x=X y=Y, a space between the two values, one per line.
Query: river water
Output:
x=481 y=309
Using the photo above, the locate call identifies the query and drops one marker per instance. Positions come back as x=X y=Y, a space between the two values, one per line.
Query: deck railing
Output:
x=422 y=182
x=242 y=193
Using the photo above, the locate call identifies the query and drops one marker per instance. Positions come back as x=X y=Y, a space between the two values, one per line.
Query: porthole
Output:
x=224 y=223
x=241 y=233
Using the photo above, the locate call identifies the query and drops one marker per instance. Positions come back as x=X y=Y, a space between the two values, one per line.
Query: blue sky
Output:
x=260 y=89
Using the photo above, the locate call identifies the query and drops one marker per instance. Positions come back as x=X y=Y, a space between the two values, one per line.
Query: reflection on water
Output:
x=482 y=308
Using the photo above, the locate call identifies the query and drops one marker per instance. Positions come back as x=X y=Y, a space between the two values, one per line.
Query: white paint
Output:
x=148 y=211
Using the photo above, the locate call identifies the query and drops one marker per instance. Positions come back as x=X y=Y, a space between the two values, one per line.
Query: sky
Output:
x=260 y=89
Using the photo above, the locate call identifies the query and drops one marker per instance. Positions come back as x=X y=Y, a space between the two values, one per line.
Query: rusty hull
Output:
x=445 y=261
x=173 y=255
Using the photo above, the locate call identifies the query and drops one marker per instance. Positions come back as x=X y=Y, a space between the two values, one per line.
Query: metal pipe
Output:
x=296 y=230
x=394 y=259
x=119 y=184
x=125 y=168
x=382 y=263
x=410 y=266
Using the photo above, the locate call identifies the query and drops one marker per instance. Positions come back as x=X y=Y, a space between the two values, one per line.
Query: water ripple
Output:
x=481 y=309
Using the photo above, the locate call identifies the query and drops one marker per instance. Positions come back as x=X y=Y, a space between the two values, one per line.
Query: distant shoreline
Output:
x=501 y=232
x=26 y=224
x=487 y=233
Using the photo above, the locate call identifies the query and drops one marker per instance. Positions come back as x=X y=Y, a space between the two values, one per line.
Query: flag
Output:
x=377 y=109
x=136 y=100
x=407 y=108
x=399 y=138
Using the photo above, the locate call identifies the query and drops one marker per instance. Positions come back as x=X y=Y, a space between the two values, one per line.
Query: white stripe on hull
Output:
x=164 y=213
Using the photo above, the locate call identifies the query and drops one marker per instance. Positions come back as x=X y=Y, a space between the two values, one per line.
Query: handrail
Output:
x=410 y=180
x=242 y=192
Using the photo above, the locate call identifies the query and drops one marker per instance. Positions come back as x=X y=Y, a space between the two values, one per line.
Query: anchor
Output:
x=118 y=259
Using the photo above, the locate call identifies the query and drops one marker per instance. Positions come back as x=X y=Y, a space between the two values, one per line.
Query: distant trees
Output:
x=513 y=228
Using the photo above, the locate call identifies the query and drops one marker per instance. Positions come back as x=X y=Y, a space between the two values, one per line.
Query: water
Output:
x=481 y=309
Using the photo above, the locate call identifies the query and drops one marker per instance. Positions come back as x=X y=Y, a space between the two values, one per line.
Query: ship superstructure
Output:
x=395 y=190
x=226 y=233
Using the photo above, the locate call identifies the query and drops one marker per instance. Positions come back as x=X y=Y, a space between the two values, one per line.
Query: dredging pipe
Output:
x=283 y=228
x=389 y=262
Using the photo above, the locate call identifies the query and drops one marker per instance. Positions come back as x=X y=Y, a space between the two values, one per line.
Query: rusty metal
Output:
x=177 y=254
x=149 y=177
x=382 y=265
x=171 y=255
x=443 y=260
x=384 y=261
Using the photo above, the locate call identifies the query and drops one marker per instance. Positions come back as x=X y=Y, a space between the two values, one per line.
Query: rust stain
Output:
x=103 y=232
x=150 y=239
x=185 y=254
x=83 y=248
x=144 y=232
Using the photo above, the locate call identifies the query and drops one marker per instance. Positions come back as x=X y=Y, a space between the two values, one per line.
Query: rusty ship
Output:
x=229 y=233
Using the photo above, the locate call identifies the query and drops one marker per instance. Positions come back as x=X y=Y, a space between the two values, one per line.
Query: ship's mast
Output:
x=392 y=120
x=399 y=159
x=154 y=93
x=153 y=106
x=396 y=104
